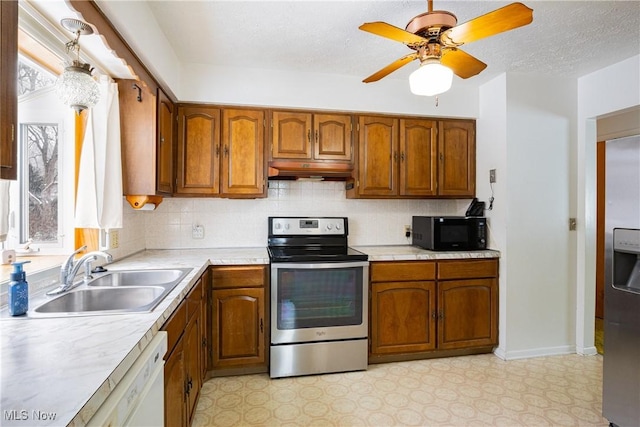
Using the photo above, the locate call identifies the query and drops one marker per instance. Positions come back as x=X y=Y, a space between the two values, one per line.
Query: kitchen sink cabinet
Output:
x=183 y=361
x=414 y=158
x=310 y=136
x=8 y=89
x=425 y=309
x=239 y=323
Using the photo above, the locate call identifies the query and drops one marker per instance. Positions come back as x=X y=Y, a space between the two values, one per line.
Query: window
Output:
x=39 y=183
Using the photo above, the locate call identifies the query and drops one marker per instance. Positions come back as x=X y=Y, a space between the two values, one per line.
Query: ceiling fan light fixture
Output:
x=432 y=78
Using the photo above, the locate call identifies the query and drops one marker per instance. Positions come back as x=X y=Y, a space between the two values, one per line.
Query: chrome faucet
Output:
x=70 y=268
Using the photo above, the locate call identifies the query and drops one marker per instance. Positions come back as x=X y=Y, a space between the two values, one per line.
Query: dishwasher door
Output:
x=138 y=400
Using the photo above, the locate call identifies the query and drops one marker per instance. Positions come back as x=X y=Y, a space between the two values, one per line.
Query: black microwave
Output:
x=449 y=233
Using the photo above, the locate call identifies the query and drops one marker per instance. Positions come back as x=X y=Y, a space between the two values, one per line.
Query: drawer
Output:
x=396 y=271
x=467 y=269
x=241 y=276
x=175 y=327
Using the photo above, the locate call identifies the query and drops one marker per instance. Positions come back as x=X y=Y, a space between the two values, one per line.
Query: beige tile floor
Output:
x=462 y=391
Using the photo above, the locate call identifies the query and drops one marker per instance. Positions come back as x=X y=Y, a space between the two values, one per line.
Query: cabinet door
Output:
x=243 y=165
x=291 y=135
x=402 y=317
x=418 y=157
x=457 y=158
x=332 y=137
x=238 y=327
x=174 y=389
x=192 y=351
x=8 y=89
x=165 y=143
x=467 y=313
x=138 y=134
x=378 y=159
x=205 y=328
x=198 y=150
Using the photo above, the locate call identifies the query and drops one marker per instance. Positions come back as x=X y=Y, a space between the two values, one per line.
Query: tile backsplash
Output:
x=243 y=223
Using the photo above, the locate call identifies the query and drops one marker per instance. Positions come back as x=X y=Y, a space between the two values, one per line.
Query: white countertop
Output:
x=68 y=366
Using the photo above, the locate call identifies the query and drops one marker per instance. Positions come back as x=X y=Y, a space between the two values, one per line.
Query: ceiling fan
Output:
x=435 y=38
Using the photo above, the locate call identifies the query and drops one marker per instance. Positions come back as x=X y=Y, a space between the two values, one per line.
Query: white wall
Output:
x=525 y=131
x=491 y=153
x=612 y=89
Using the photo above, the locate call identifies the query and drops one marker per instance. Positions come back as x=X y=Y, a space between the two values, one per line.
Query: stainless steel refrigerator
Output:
x=621 y=373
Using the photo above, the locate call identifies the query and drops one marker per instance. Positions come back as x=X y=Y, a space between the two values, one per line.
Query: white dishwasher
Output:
x=138 y=400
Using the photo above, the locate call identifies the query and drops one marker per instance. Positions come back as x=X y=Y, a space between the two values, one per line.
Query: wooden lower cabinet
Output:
x=402 y=317
x=239 y=321
x=429 y=309
x=183 y=361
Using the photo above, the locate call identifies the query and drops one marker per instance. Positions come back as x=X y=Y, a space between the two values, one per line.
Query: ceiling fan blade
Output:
x=461 y=63
x=500 y=20
x=389 y=31
x=391 y=68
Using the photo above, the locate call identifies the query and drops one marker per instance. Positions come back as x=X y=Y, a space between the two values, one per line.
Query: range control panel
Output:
x=326 y=226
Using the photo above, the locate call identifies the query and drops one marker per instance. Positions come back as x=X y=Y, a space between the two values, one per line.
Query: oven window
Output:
x=311 y=298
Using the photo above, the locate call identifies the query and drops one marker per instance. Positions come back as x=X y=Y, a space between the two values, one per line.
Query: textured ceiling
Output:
x=566 y=38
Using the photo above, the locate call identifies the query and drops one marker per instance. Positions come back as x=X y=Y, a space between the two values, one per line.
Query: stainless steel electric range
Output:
x=319 y=298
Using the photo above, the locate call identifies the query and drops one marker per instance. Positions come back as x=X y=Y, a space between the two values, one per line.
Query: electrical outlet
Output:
x=492 y=176
x=197 y=232
x=407 y=231
x=114 y=239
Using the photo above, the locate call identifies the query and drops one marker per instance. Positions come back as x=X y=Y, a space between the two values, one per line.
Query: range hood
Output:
x=292 y=169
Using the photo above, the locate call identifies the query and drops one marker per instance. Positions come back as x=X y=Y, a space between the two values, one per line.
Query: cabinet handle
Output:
x=309 y=134
x=217 y=151
x=261 y=327
x=226 y=151
x=395 y=156
x=402 y=156
x=317 y=136
x=441 y=157
x=190 y=383
x=441 y=315
x=434 y=315
x=204 y=342
x=161 y=139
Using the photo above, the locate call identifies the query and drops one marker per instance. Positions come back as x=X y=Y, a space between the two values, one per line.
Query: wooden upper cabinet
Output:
x=291 y=135
x=138 y=134
x=378 y=156
x=242 y=160
x=457 y=158
x=8 y=89
x=198 y=151
x=418 y=155
x=308 y=136
x=332 y=136
x=165 y=148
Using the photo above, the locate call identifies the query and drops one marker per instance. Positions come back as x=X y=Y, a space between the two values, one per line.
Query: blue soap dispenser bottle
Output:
x=18 y=290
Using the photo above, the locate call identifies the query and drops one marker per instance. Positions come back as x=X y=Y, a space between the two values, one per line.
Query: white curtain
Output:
x=99 y=198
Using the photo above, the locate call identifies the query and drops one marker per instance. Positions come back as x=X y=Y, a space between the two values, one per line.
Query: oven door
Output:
x=318 y=301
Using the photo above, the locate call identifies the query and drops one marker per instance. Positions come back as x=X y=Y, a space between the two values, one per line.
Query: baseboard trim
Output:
x=587 y=351
x=535 y=352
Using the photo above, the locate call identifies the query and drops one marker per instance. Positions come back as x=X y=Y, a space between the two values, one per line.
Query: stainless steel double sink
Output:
x=114 y=292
